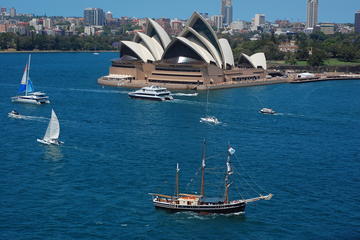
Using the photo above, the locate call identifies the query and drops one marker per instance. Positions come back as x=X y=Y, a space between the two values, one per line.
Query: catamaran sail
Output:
x=26 y=84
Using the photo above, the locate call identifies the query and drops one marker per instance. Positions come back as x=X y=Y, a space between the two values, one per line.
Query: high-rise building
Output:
x=94 y=16
x=312 y=13
x=259 y=20
x=357 y=21
x=227 y=11
x=12 y=12
x=47 y=23
x=217 y=21
x=108 y=16
x=3 y=11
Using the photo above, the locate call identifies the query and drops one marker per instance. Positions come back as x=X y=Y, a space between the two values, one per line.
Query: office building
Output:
x=259 y=20
x=94 y=17
x=327 y=28
x=312 y=13
x=12 y=12
x=357 y=21
x=227 y=12
x=217 y=21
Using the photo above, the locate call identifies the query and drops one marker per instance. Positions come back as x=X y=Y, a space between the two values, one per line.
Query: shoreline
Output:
x=249 y=83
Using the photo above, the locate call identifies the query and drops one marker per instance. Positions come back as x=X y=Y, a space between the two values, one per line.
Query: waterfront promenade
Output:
x=116 y=82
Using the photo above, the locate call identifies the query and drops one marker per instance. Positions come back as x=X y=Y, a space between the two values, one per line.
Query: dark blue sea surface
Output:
x=117 y=150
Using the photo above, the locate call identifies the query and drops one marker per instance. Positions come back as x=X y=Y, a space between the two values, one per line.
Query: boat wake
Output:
x=95 y=90
x=181 y=101
x=199 y=216
x=185 y=94
x=32 y=118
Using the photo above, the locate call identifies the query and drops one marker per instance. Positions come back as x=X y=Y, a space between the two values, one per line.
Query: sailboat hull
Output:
x=229 y=208
x=48 y=142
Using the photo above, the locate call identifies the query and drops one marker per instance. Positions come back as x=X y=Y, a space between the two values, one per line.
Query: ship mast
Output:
x=203 y=164
x=229 y=171
x=177 y=179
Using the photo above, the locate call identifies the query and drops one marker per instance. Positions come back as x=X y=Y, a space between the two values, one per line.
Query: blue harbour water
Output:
x=117 y=150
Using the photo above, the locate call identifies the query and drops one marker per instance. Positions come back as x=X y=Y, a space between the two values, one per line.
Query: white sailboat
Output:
x=209 y=119
x=52 y=132
x=26 y=88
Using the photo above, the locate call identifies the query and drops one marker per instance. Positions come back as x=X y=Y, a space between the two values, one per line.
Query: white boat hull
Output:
x=29 y=99
x=49 y=142
x=211 y=120
x=12 y=115
x=156 y=98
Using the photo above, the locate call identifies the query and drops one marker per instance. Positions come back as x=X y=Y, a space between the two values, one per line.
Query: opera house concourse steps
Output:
x=195 y=59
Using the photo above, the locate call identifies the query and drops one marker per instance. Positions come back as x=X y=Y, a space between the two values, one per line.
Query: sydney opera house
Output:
x=195 y=59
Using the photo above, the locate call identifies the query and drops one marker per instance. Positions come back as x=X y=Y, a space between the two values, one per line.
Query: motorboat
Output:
x=26 y=88
x=267 y=111
x=152 y=93
x=52 y=132
x=209 y=119
x=14 y=114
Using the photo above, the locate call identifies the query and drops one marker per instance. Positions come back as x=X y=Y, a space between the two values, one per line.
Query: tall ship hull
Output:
x=229 y=208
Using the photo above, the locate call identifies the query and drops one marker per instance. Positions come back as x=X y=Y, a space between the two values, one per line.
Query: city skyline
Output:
x=242 y=10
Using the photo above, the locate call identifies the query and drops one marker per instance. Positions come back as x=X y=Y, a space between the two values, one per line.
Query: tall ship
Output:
x=199 y=203
x=26 y=90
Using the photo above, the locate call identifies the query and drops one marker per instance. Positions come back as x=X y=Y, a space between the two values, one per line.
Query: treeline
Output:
x=314 y=48
x=62 y=43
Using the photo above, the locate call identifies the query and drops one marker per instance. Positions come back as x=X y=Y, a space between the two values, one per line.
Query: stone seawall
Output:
x=233 y=84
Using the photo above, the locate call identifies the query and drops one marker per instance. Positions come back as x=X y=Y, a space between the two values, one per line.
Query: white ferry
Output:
x=152 y=93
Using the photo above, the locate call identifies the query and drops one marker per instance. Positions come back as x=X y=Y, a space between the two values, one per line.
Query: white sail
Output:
x=24 y=77
x=53 y=129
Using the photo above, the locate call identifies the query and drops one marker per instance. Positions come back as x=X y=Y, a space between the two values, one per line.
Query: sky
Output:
x=294 y=10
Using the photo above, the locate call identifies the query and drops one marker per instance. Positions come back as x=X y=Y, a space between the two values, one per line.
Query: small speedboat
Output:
x=14 y=114
x=152 y=93
x=210 y=119
x=267 y=111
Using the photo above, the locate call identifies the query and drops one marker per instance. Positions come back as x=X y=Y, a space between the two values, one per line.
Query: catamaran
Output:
x=52 y=132
x=199 y=203
x=26 y=88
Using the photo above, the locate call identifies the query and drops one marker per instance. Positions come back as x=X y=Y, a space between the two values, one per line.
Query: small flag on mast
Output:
x=231 y=151
x=177 y=167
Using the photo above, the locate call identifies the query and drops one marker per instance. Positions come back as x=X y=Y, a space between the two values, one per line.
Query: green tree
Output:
x=290 y=59
x=316 y=58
